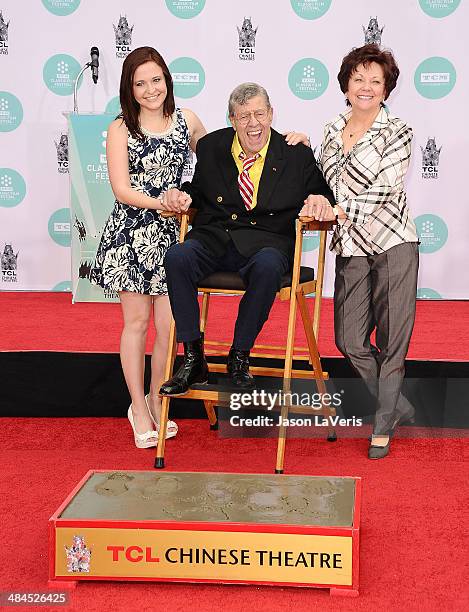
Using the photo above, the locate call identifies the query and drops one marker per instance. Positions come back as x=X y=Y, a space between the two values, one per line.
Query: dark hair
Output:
x=365 y=55
x=130 y=107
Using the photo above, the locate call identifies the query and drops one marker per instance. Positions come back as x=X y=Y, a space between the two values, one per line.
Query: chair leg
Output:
x=172 y=347
x=315 y=360
x=282 y=434
x=159 y=459
x=211 y=414
x=204 y=313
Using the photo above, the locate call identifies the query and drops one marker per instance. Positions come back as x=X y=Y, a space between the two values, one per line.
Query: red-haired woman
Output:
x=147 y=146
x=364 y=157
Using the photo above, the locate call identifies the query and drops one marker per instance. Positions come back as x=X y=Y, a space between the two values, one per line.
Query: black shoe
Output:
x=378 y=452
x=238 y=369
x=408 y=417
x=193 y=370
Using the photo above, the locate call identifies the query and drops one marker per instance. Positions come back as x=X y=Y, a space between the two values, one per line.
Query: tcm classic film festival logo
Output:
x=310 y=9
x=97 y=169
x=308 y=78
x=8 y=264
x=61 y=8
x=188 y=77
x=123 y=33
x=59 y=227
x=435 y=77
x=432 y=232
x=247 y=40
x=430 y=159
x=185 y=9
x=60 y=72
x=11 y=112
x=3 y=35
x=439 y=8
x=12 y=188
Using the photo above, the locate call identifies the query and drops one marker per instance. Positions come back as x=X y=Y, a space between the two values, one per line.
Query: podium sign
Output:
x=198 y=527
x=91 y=199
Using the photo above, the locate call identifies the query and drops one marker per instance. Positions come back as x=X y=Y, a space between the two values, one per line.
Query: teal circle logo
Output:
x=12 y=188
x=188 y=77
x=432 y=232
x=60 y=72
x=61 y=7
x=59 y=227
x=439 y=8
x=310 y=9
x=63 y=286
x=11 y=112
x=310 y=241
x=435 y=78
x=308 y=78
x=113 y=107
x=425 y=293
x=185 y=9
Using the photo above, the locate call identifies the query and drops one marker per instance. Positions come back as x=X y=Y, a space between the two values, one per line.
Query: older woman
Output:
x=364 y=157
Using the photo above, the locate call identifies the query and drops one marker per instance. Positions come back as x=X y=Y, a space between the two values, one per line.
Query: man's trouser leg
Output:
x=262 y=275
x=186 y=264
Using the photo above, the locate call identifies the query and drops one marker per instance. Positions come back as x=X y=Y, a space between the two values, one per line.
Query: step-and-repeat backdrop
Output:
x=292 y=47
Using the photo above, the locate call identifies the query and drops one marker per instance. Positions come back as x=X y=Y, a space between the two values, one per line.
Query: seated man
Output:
x=248 y=187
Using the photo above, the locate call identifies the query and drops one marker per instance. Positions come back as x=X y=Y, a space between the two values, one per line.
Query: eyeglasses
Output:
x=259 y=115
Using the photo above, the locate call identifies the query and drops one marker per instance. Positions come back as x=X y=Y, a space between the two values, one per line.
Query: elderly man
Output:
x=248 y=187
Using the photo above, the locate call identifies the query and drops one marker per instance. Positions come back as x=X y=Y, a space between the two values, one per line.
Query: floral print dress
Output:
x=135 y=240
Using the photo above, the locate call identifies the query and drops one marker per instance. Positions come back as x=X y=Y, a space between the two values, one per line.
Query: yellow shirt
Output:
x=255 y=172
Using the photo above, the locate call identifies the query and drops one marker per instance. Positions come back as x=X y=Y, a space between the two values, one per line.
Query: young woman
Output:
x=147 y=146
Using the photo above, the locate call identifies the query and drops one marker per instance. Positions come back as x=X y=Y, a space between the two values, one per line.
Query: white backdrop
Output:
x=298 y=48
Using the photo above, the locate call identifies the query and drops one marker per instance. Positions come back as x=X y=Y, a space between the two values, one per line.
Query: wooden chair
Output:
x=295 y=287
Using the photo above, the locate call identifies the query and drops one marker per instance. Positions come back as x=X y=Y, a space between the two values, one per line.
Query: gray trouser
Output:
x=379 y=292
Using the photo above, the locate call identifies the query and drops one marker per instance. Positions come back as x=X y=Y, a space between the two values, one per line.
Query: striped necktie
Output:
x=246 y=186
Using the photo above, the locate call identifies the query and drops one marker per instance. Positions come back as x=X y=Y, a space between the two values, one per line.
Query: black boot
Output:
x=193 y=370
x=238 y=369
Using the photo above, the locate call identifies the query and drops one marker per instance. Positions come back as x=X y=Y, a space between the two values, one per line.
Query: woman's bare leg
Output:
x=162 y=318
x=136 y=309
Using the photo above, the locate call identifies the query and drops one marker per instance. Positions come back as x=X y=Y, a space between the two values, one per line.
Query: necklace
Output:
x=358 y=131
x=355 y=132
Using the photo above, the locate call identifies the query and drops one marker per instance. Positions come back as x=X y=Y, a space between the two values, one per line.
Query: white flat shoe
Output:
x=144 y=440
x=171 y=427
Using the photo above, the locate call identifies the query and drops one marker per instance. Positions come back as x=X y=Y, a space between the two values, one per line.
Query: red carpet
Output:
x=49 y=322
x=414 y=514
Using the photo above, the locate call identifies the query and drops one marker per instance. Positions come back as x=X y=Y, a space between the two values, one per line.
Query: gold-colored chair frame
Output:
x=296 y=294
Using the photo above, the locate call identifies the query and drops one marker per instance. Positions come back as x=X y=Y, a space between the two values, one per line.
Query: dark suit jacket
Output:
x=289 y=175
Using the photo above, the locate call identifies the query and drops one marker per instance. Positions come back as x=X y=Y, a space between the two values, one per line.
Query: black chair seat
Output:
x=233 y=281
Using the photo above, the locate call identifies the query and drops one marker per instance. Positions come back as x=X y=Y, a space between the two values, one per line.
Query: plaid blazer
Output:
x=368 y=184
